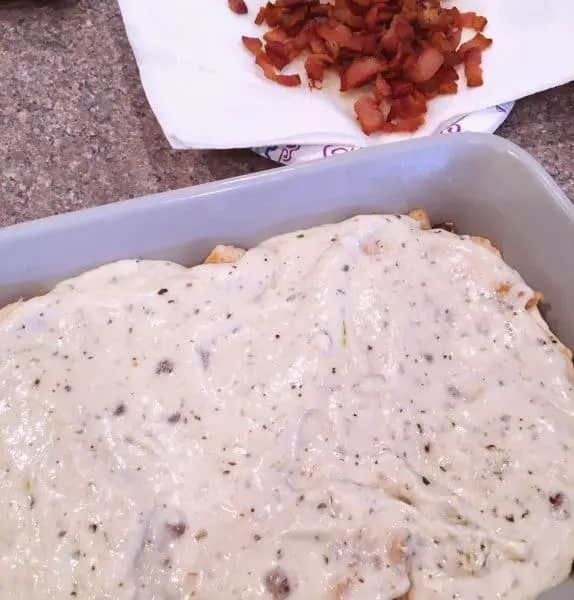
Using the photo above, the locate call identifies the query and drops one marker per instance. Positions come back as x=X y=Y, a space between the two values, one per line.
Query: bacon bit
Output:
x=444 y=82
x=340 y=34
x=429 y=16
x=369 y=43
x=447 y=87
x=333 y=49
x=360 y=71
x=451 y=60
x=428 y=62
x=254 y=45
x=238 y=7
x=472 y=68
x=303 y=39
x=403 y=52
x=382 y=88
x=291 y=21
x=260 y=18
x=282 y=49
x=471 y=20
x=315 y=68
x=404 y=125
x=317 y=46
x=369 y=115
x=408 y=107
x=478 y=42
x=277 y=60
x=344 y=15
x=401 y=88
x=399 y=31
x=372 y=18
x=263 y=61
x=275 y=35
x=319 y=10
x=445 y=43
x=288 y=80
x=295 y=3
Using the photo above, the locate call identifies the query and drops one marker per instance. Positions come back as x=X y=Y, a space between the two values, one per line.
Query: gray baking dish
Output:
x=485 y=185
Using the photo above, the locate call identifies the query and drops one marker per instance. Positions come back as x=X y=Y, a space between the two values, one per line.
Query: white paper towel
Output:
x=483 y=121
x=207 y=92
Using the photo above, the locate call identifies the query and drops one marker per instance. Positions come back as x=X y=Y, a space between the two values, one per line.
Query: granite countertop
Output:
x=77 y=130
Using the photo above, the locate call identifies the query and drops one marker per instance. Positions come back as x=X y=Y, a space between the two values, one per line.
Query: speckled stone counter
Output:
x=76 y=130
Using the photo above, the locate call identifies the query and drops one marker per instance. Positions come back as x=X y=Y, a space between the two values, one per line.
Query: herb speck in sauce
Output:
x=277 y=584
x=119 y=410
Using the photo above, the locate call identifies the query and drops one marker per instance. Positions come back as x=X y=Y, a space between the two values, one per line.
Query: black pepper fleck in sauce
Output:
x=164 y=367
x=174 y=418
x=119 y=410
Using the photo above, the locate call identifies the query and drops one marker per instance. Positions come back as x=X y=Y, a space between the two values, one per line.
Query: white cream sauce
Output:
x=361 y=411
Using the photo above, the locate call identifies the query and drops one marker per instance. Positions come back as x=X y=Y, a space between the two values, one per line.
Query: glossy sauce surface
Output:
x=360 y=411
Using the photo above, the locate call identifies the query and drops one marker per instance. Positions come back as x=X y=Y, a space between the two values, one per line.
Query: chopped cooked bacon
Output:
x=346 y=16
x=472 y=68
x=369 y=115
x=446 y=88
x=401 y=88
x=262 y=60
x=473 y=21
x=315 y=68
x=429 y=16
x=291 y=21
x=428 y=62
x=260 y=18
x=403 y=52
x=359 y=72
x=277 y=59
x=283 y=49
x=478 y=42
x=399 y=31
x=275 y=35
x=254 y=45
x=288 y=80
x=409 y=106
x=339 y=34
x=372 y=18
x=238 y=7
x=382 y=88
x=318 y=46
x=369 y=43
